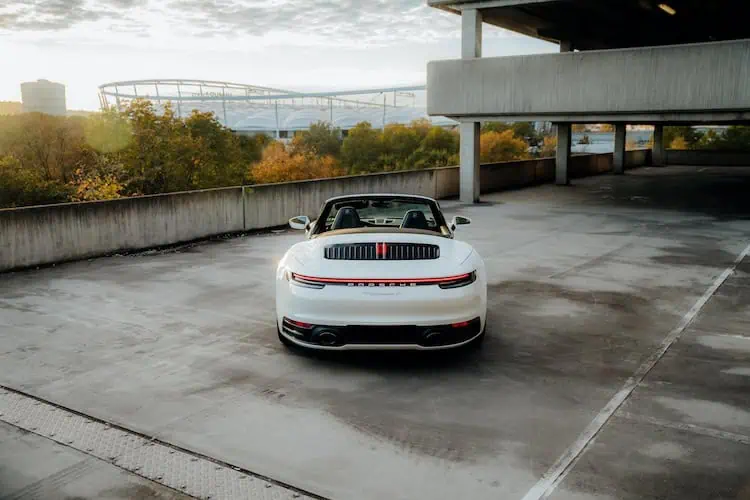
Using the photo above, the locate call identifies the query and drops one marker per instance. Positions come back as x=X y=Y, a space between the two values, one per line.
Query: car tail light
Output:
x=459 y=281
x=298 y=324
x=446 y=282
x=462 y=324
x=306 y=281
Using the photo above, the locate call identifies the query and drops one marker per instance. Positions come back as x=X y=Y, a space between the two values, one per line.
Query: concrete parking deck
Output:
x=617 y=363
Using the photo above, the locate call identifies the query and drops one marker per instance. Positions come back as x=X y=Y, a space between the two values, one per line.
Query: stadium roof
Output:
x=253 y=108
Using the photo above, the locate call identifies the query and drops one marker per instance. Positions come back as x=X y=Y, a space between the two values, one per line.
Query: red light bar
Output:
x=462 y=324
x=299 y=324
x=423 y=281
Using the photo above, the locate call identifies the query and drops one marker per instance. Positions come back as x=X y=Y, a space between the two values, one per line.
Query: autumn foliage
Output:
x=279 y=165
x=52 y=159
x=139 y=151
x=502 y=146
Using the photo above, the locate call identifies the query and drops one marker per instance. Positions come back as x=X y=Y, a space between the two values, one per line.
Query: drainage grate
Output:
x=190 y=473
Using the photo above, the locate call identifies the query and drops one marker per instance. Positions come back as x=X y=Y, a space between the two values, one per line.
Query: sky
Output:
x=313 y=45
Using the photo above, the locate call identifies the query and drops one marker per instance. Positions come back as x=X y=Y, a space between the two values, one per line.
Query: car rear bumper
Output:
x=392 y=337
x=376 y=306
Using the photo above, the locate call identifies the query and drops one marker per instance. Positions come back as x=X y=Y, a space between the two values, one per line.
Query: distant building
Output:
x=251 y=109
x=43 y=96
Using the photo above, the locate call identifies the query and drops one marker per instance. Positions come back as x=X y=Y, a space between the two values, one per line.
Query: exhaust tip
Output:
x=432 y=338
x=327 y=338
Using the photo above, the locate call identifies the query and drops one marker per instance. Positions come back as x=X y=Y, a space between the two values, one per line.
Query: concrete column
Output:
x=658 y=156
x=564 y=138
x=471 y=48
x=471 y=34
x=619 y=154
x=469 y=171
x=562 y=158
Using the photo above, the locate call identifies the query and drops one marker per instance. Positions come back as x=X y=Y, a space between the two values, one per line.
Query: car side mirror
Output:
x=459 y=220
x=299 y=222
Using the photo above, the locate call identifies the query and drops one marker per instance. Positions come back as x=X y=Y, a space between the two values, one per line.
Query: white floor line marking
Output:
x=560 y=469
x=692 y=428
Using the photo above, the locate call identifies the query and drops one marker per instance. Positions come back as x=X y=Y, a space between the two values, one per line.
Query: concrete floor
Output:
x=585 y=284
x=33 y=467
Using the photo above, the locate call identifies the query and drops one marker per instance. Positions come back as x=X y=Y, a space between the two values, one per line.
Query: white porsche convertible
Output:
x=380 y=271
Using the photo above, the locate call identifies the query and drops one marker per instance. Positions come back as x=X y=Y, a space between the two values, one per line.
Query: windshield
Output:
x=395 y=213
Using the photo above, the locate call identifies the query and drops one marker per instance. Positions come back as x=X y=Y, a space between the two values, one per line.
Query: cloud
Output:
x=340 y=23
x=337 y=22
x=57 y=15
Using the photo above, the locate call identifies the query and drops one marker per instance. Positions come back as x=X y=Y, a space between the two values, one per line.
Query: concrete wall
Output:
x=708 y=158
x=510 y=175
x=271 y=205
x=42 y=235
x=697 y=81
x=54 y=233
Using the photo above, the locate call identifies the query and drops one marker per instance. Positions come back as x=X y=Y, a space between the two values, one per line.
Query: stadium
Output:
x=252 y=109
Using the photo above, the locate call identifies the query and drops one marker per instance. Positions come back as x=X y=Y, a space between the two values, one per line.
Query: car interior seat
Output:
x=415 y=219
x=346 y=218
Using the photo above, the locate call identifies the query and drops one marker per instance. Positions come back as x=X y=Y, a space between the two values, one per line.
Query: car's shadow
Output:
x=397 y=361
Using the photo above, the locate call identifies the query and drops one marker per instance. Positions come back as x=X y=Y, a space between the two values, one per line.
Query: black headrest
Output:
x=414 y=219
x=346 y=218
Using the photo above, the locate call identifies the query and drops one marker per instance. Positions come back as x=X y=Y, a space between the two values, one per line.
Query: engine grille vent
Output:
x=382 y=251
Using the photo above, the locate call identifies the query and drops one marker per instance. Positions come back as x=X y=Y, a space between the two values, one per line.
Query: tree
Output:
x=146 y=158
x=108 y=132
x=495 y=127
x=278 y=165
x=251 y=147
x=549 y=147
x=215 y=156
x=440 y=139
x=362 y=149
x=321 y=139
x=502 y=146
x=586 y=127
x=691 y=136
x=167 y=153
x=399 y=143
x=22 y=185
x=10 y=108
x=678 y=142
x=421 y=127
x=50 y=144
x=431 y=158
x=522 y=130
x=734 y=138
x=95 y=185
x=527 y=132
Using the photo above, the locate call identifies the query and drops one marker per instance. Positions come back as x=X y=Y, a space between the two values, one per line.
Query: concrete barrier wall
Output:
x=637 y=158
x=511 y=175
x=708 y=158
x=56 y=233
x=271 y=205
